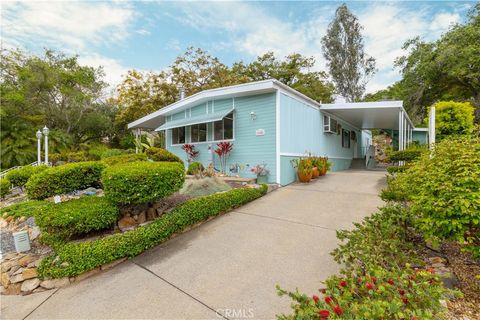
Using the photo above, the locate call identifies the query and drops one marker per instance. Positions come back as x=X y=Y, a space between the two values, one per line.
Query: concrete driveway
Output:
x=227 y=267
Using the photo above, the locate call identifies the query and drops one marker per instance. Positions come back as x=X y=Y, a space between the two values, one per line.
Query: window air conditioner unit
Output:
x=329 y=125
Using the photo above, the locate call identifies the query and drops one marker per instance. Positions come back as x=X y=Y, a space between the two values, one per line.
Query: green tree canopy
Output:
x=453 y=118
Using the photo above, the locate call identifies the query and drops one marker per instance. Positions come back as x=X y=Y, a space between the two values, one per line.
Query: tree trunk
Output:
x=476 y=103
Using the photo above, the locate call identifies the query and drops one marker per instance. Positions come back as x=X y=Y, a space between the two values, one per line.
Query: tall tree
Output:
x=343 y=48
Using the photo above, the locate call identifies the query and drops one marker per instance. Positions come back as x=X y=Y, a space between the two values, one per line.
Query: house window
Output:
x=345 y=138
x=199 y=132
x=223 y=129
x=178 y=135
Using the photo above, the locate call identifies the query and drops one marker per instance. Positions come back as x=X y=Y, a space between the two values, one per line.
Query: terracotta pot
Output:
x=323 y=171
x=315 y=173
x=304 y=177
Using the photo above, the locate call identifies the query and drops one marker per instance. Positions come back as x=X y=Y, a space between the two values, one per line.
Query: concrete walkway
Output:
x=229 y=265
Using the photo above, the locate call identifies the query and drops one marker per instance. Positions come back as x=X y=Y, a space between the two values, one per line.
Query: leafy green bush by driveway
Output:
x=19 y=177
x=23 y=209
x=159 y=154
x=5 y=185
x=125 y=158
x=142 y=182
x=76 y=217
x=64 y=179
x=84 y=256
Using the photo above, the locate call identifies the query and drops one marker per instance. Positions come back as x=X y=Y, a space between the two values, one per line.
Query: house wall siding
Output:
x=302 y=133
x=248 y=148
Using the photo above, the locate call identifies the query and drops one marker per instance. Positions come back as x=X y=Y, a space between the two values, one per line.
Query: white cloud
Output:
x=255 y=31
x=114 y=70
x=65 y=24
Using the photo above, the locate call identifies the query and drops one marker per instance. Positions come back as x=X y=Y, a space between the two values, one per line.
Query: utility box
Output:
x=22 y=241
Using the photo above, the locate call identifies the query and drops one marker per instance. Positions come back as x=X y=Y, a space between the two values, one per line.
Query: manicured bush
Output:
x=64 y=179
x=84 y=256
x=195 y=168
x=375 y=294
x=23 y=209
x=5 y=185
x=111 y=153
x=125 y=158
x=19 y=177
x=444 y=192
x=453 y=118
x=396 y=169
x=142 y=182
x=406 y=155
x=76 y=217
x=159 y=154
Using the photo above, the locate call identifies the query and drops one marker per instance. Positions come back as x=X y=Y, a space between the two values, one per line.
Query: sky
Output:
x=148 y=36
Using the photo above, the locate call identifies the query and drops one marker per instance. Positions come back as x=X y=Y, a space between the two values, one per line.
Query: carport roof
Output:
x=368 y=115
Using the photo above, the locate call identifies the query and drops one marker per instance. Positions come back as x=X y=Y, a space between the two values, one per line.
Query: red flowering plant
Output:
x=415 y=293
x=191 y=152
x=223 y=151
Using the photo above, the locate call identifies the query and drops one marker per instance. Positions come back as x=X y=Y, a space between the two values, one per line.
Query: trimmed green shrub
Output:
x=111 y=153
x=406 y=155
x=142 y=182
x=76 y=217
x=453 y=118
x=444 y=192
x=159 y=154
x=5 y=185
x=396 y=169
x=125 y=158
x=204 y=187
x=19 y=177
x=84 y=256
x=195 y=168
x=23 y=209
x=64 y=179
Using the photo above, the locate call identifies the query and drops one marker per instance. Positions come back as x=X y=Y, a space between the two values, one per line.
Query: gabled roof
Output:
x=157 y=118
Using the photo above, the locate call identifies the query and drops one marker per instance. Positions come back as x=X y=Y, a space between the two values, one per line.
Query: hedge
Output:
x=64 y=179
x=19 y=177
x=396 y=169
x=84 y=256
x=5 y=185
x=406 y=155
x=195 y=167
x=23 y=209
x=125 y=158
x=76 y=217
x=159 y=154
x=142 y=182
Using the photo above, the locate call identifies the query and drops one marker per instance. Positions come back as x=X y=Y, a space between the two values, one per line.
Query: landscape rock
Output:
x=55 y=283
x=35 y=232
x=126 y=222
x=13 y=289
x=30 y=285
x=13 y=269
x=18 y=271
x=29 y=273
x=142 y=217
x=7 y=265
x=24 y=261
x=4 y=279
x=16 y=278
x=151 y=213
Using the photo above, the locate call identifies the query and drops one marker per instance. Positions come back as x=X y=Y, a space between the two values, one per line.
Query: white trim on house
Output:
x=277 y=136
x=292 y=154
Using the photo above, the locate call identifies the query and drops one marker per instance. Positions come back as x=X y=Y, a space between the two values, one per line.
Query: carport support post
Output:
x=137 y=134
x=431 y=128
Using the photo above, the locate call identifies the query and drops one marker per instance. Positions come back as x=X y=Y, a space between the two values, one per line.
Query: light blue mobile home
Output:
x=270 y=123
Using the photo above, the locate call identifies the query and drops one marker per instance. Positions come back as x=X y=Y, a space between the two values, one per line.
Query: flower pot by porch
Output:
x=323 y=170
x=304 y=176
x=315 y=173
x=262 y=179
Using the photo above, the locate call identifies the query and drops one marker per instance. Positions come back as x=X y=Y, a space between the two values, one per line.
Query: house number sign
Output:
x=260 y=132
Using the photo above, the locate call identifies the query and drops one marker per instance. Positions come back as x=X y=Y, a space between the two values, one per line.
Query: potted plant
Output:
x=304 y=169
x=325 y=165
x=317 y=164
x=262 y=173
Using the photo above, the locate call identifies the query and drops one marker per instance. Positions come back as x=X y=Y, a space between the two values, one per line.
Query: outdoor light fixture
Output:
x=45 y=133
x=253 y=115
x=39 y=147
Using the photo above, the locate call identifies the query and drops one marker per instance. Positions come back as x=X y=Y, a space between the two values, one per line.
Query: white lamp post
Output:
x=39 y=148
x=45 y=133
